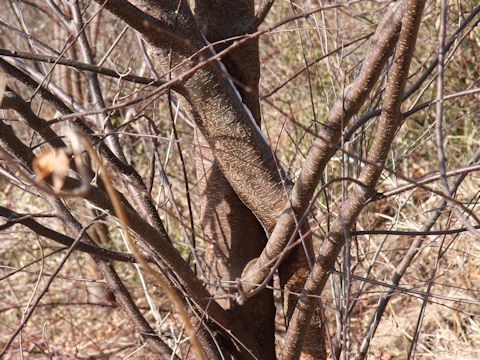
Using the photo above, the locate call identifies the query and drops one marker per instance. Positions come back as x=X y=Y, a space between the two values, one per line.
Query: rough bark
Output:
x=294 y=270
x=381 y=48
x=232 y=233
x=242 y=151
x=221 y=20
x=158 y=243
x=228 y=126
x=351 y=208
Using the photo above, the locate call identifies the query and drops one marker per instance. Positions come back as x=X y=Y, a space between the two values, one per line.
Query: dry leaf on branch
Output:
x=54 y=163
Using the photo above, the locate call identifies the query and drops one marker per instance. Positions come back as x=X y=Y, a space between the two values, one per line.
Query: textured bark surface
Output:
x=381 y=48
x=232 y=233
x=222 y=20
x=158 y=243
x=242 y=151
x=228 y=126
x=389 y=123
x=293 y=273
x=249 y=223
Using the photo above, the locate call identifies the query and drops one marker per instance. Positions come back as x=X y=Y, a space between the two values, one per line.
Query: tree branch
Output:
x=115 y=284
x=82 y=66
x=25 y=220
x=407 y=260
x=260 y=16
x=413 y=88
x=388 y=125
x=163 y=250
x=380 y=49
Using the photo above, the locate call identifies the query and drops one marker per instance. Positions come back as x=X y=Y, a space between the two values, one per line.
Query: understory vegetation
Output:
x=168 y=181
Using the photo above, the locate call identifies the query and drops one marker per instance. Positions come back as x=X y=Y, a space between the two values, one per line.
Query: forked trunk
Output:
x=232 y=233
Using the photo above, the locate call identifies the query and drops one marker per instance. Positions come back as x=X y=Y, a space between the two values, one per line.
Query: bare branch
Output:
x=83 y=66
x=263 y=10
x=401 y=268
x=102 y=253
x=388 y=125
x=381 y=48
x=451 y=41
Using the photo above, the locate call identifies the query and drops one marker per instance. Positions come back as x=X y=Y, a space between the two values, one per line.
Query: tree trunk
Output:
x=232 y=233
